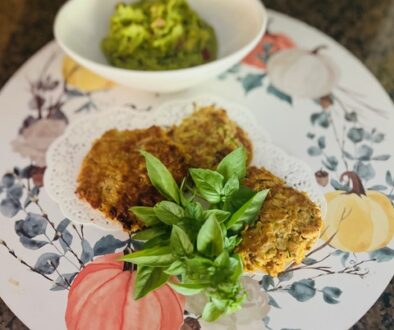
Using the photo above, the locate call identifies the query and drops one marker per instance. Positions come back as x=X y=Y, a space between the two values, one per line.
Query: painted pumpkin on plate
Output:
x=83 y=79
x=101 y=298
x=360 y=220
x=268 y=45
x=303 y=73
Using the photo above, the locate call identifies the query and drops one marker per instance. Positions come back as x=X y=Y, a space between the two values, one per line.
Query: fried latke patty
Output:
x=208 y=135
x=288 y=225
x=113 y=176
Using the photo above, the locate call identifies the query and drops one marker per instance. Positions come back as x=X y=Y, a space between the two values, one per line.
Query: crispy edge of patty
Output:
x=208 y=135
x=288 y=225
x=113 y=176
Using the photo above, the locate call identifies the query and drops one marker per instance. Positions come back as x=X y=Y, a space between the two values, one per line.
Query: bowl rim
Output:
x=84 y=60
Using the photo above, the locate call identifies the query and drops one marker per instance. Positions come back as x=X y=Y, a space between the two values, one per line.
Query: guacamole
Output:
x=158 y=35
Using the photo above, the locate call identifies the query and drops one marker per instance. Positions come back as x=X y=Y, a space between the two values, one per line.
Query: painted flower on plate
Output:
x=34 y=140
x=270 y=44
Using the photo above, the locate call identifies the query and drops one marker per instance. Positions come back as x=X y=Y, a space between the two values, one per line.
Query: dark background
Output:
x=365 y=27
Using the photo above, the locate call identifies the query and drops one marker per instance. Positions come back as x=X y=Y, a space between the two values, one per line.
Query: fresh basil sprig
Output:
x=180 y=242
x=208 y=183
x=193 y=234
x=210 y=238
x=149 y=279
x=145 y=214
x=160 y=256
x=248 y=213
x=234 y=164
x=169 y=213
x=161 y=177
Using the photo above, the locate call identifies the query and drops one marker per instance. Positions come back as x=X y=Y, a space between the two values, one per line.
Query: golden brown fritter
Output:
x=288 y=226
x=113 y=176
x=208 y=135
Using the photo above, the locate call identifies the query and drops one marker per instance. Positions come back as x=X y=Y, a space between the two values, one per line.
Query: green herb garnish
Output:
x=194 y=234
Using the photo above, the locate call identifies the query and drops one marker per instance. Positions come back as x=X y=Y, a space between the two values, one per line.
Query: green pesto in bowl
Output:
x=158 y=35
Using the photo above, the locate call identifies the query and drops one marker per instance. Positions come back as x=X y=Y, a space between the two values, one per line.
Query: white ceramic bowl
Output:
x=80 y=26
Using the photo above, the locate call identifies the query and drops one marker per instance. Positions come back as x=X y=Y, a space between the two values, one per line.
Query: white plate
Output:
x=332 y=293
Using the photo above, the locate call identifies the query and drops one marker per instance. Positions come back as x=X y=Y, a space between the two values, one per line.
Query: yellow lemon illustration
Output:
x=83 y=79
x=361 y=220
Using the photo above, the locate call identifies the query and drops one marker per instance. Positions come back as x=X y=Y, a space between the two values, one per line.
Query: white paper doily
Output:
x=65 y=156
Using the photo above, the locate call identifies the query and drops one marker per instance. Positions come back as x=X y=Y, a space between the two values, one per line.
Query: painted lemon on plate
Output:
x=359 y=220
x=83 y=79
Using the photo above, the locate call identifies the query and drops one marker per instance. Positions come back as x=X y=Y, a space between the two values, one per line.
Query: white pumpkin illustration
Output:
x=302 y=73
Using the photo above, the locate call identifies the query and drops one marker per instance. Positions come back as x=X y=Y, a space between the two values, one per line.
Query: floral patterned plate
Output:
x=317 y=102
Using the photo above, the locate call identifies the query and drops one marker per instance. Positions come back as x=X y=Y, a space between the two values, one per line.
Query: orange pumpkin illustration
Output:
x=83 y=79
x=360 y=220
x=270 y=43
x=101 y=297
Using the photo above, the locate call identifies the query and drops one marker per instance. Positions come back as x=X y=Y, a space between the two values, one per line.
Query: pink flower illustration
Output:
x=34 y=140
x=270 y=44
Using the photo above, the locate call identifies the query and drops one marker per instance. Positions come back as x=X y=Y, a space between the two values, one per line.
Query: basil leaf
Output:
x=211 y=312
x=169 y=212
x=248 y=213
x=195 y=211
x=231 y=186
x=187 y=289
x=191 y=227
x=209 y=184
x=161 y=178
x=148 y=280
x=184 y=200
x=236 y=267
x=145 y=214
x=236 y=305
x=223 y=260
x=220 y=303
x=210 y=238
x=180 y=242
x=230 y=243
x=220 y=215
x=227 y=288
x=238 y=198
x=234 y=164
x=176 y=268
x=162 y=240
x=154 y=257
x=224 y=230
x=149 y=233
x=198 y=264
x=223 y=271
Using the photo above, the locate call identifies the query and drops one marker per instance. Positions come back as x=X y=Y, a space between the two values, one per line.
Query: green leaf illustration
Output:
x=251 y=81
x=279 y=94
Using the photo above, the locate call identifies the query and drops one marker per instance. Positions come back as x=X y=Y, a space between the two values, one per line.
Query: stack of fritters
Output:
x=113 y=178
